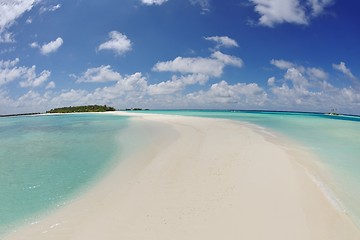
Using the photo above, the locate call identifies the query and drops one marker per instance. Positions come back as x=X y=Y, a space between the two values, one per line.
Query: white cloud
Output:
x=274 y=12
x=316 y=73
x=227 y=59
x=153 y=2
x=50 y=47
x=198 y=65
x=70 y=97
x=296 y=91
x=99 y=74
x=167 y=87
x=271 y=81
x=342 y=68
x=34 y=45
x=312 y=73
x=239 y=94
x=318 y=6
x=307 y=89
x=51 y=85
x=282 y=64
x=132 y=88
x=297 y=78
x=52 y=8
x=9 y=63
x=212 y=66
x=9 y=71
x=204 y=5
x=10 y=10
x=223 y=41
x=176 y=84
x=119 y=43
x=32 y=80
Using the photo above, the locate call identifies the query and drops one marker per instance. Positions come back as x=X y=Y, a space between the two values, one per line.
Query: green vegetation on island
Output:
x=88 y=108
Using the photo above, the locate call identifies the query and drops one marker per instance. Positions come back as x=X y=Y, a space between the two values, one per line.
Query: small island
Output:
x=88 y=108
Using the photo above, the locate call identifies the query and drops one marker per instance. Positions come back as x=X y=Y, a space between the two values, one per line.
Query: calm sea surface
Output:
x=44 y=160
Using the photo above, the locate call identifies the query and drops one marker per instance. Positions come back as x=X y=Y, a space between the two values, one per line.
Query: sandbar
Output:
x=200 y=178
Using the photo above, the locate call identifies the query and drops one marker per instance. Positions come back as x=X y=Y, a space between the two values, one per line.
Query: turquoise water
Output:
x=335 y=139
x=44 y=160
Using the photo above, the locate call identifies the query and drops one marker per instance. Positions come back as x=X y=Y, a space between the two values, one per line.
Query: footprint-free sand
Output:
x=199 y=178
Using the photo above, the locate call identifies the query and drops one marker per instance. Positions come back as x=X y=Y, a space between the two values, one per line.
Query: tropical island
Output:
x=88 y=108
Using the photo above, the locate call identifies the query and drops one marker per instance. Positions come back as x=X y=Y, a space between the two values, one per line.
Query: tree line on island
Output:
x=88 y=108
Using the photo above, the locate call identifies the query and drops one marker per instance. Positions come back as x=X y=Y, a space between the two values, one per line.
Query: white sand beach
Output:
x=198 y=179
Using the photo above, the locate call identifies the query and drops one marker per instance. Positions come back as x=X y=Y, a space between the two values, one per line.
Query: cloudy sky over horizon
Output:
x=299 y=55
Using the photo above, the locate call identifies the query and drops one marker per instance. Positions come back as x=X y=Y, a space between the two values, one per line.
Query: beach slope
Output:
x=200 y=178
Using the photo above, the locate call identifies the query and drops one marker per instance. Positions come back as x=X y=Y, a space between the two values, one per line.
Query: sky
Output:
x=290 y=55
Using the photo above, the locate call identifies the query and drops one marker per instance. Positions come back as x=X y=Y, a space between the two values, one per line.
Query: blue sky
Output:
x=300 y=55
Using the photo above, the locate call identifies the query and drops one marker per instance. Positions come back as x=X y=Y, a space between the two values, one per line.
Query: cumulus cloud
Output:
x=312 y=73
x=10 y=10
x=342 y=68
x=273 y=12
x=296 y=91
x=308 y=89
x=316 y=73
x=239 y=94
x=318 y=6
x=119 y=43
x=223 y=41
x=271 y=81
x=34 y=45
x=99 y=74
x=153 y=2
x=282 y=64
x=50 y=47
x=9 y=71
x=176 y=84
x=297 y=78
x=212 y=66
x=207 y=66
x=51 y=85
x=32 y=80
x=227 y=59
x=167 y=87
x=131 y=89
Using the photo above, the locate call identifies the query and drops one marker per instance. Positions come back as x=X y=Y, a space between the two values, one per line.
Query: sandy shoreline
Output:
x=200 y=179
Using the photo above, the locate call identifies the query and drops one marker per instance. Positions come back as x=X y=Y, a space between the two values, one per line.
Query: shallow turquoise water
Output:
x=335 y=139
x=44 y=160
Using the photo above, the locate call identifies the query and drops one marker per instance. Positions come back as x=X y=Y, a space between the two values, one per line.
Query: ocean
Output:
x=46 y=160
